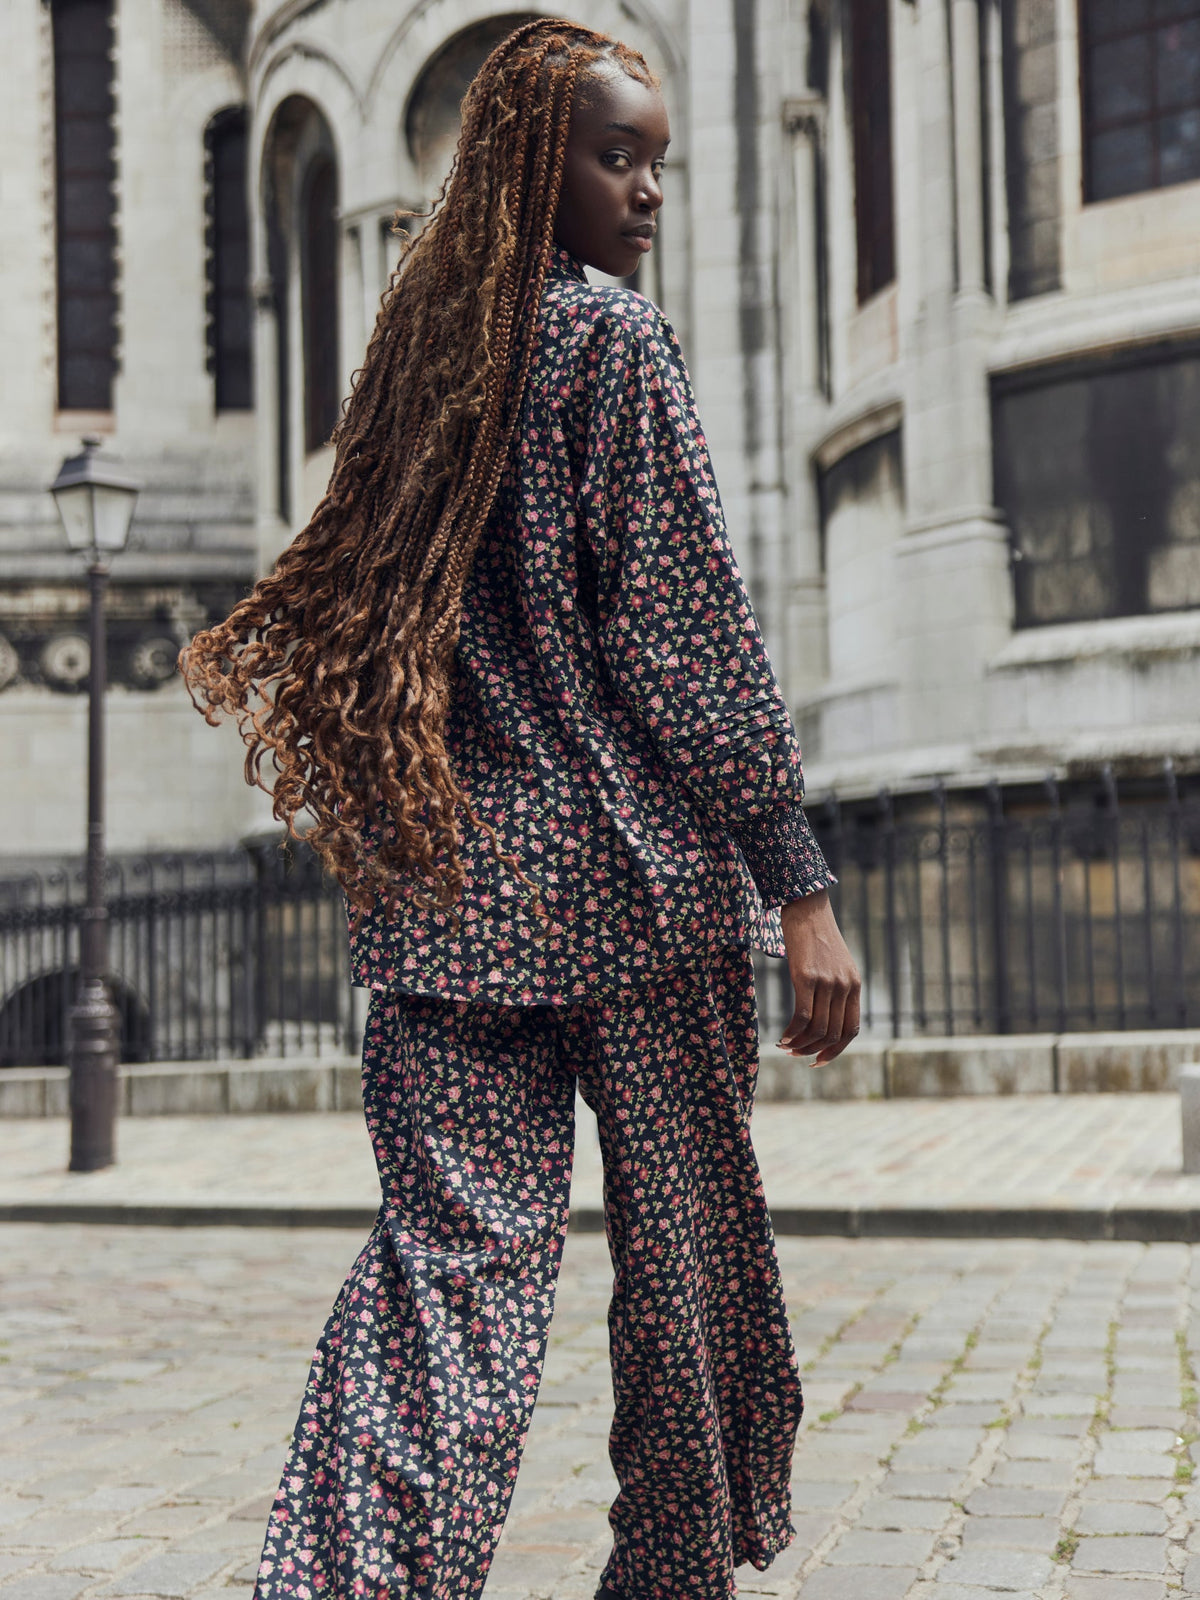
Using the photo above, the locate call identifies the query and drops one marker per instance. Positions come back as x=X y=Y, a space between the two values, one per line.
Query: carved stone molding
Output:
x=44 y=643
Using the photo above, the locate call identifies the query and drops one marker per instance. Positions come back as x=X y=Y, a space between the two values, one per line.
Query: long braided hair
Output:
x=338 y=665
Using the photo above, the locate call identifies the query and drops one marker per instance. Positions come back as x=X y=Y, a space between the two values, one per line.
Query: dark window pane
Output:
x=1121 y=83
x=85 y=149
x=1140 y=70
x=1122 y=162
x=85 y=382
x=85 y=204
x=1179 y=64
x=86 y=90
x=872 y=113
x=319 y=290
x=86 y=322
x=237 y=382
x=1103 y=18
x=233 y=321
x=1098 y=477
x=231 y=272
x=85 y=224
x=1179 y=147
x=83 y=29
x=84 y=265
x=228 y=240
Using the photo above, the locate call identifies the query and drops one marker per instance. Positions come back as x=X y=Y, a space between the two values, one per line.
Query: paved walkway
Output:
x=984 y=1417
x=1074 y=1165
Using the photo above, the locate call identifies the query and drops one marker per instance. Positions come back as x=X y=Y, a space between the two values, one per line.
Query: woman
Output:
x=510 y=672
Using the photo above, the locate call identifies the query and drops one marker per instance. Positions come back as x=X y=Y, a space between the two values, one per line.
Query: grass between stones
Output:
x=1190 y=1405
x=1066 y=1547
x=824 y=1418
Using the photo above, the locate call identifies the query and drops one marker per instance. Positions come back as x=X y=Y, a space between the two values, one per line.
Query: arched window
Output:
x=227 y=244
x=319 y=299
x=302 y=230
x=431 y=119
x=85 y=170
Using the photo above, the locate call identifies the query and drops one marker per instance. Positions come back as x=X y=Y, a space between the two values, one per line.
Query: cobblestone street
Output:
x=994 y=1415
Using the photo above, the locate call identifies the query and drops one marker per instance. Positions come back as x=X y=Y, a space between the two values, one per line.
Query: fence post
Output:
x=1113 y=841
x=831 y=835
x=891 y=931
x=998 y=872
x=1175 y=837
x=939 y=793
x=1050 y=784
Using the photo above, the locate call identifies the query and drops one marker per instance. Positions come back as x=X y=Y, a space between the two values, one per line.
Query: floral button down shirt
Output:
x=614 y=715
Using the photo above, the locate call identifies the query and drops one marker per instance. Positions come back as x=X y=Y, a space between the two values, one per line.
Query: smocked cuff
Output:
x=785 y=860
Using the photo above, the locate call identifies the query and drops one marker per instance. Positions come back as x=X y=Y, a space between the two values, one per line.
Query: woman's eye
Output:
x=615 y=158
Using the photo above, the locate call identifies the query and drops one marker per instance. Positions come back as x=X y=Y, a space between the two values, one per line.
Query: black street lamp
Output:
x=95 y=503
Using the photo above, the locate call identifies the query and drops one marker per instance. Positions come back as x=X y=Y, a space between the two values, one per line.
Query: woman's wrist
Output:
x=806 y=906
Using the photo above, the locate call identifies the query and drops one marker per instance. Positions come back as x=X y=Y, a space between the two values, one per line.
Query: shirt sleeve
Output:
x=677 y=631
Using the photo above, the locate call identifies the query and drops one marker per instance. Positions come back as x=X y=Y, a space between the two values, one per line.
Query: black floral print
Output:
x=615 y=716
x=419 y=1399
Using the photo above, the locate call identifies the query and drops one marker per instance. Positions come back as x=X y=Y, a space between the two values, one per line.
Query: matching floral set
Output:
x=616 y=720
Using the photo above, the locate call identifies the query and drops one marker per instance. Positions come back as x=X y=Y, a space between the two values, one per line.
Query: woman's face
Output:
x=610 y=185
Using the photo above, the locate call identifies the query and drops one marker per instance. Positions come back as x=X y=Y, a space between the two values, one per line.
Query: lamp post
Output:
x=95 y=503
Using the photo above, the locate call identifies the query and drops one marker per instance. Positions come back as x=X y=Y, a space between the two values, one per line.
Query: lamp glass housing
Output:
x=95 y=502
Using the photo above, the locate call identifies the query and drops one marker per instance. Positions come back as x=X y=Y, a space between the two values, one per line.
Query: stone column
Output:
x=269 y=520
x=804 y=663
x=954 y=594
x=736 y=136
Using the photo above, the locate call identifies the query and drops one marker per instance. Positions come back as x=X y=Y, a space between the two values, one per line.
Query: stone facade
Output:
x=192 y=546
x=1007 y=512
x=896 y=568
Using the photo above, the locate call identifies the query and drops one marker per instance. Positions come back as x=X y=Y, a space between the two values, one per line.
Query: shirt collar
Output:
x=562 y=264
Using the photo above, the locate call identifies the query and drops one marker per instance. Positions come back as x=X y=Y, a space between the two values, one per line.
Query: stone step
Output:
x=188 y=1088
x=1041 y=1063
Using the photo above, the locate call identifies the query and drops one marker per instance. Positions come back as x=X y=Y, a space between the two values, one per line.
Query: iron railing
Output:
x=1035 y=910
x=211 y=956
x=1055 y=910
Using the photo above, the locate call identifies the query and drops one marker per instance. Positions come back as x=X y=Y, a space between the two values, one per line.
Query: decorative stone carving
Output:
x=43 y=633
x=10 y=662
x=152 y=661
x=65 y=659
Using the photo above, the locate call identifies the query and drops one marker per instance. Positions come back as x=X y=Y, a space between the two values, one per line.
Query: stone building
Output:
x=934 y=264
x=992 y=365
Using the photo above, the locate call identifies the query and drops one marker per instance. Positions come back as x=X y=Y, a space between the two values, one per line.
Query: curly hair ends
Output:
x=338 y=665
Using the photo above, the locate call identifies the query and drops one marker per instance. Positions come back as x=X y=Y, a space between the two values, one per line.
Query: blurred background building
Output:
x=935 y=265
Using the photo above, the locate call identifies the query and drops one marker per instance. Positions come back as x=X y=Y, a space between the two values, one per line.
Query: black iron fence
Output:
x=1038 y=910
x=211 y=956
x=1032 y=910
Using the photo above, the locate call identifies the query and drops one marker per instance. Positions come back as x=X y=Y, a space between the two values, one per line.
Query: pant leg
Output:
x=421 y=1389
x=706 y=1387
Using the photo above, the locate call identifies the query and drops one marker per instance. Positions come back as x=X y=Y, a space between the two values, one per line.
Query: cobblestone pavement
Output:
x=1029 y=1150
x=983 y=1416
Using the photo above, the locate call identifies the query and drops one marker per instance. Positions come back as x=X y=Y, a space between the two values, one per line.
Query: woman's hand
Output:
x=824 y=977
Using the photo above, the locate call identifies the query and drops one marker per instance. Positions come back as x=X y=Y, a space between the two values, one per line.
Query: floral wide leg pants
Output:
x=421 y=1390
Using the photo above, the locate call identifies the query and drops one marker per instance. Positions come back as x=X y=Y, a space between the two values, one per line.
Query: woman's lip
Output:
x=640 y=241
